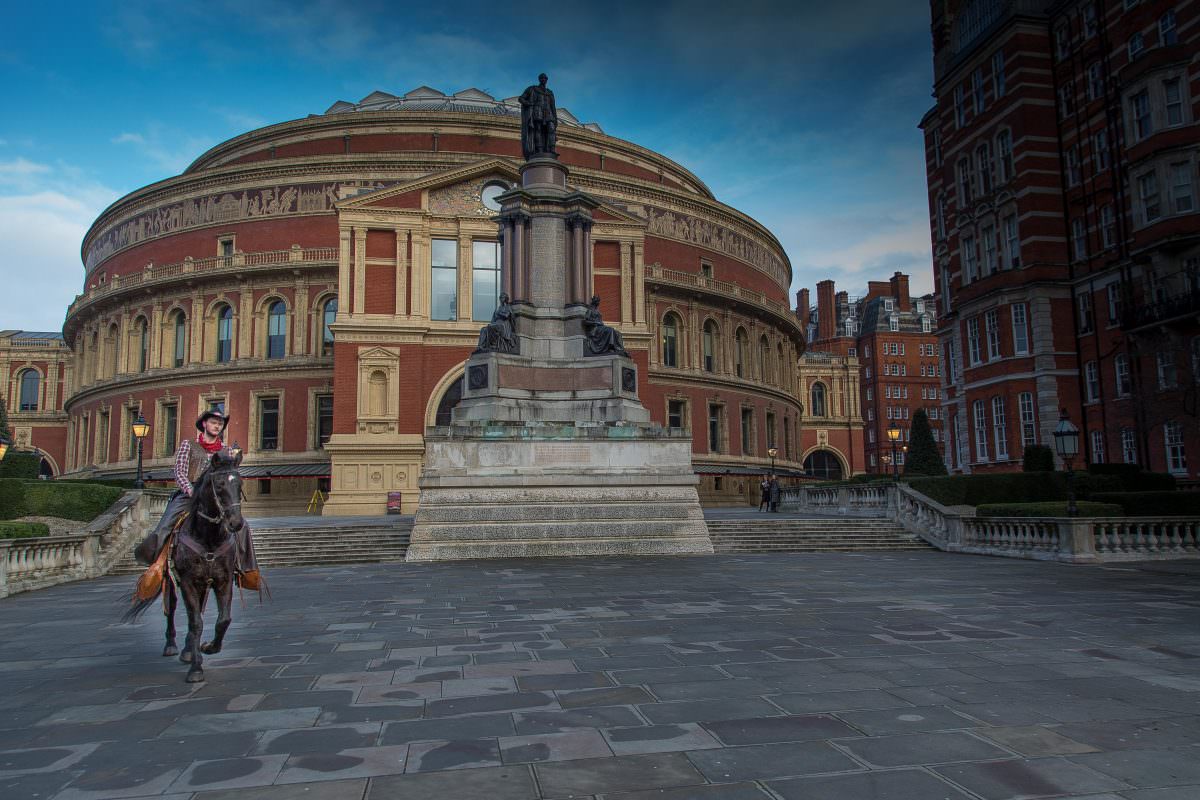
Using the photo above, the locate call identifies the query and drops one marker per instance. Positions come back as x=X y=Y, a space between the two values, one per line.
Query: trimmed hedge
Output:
x=20 y=465
x=1057 y=508
x=23 y=530
x=1011 y=487
x=1037 y=458
x=12 y=499
x=82 y=502
x=1153 y=504
x=1134 y=479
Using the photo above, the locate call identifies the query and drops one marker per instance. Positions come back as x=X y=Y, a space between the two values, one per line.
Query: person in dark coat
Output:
x=764 y=500
x=773 y=493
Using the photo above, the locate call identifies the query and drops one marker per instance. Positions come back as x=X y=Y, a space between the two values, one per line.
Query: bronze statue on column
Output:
x=539 y=121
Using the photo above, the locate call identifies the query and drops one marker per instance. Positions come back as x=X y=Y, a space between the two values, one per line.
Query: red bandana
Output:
x=211 y=447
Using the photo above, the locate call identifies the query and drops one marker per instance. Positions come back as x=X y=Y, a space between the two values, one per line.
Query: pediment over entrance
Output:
x=450 y=192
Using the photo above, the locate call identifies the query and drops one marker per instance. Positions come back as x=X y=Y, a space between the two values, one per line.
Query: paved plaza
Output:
x=906 y=676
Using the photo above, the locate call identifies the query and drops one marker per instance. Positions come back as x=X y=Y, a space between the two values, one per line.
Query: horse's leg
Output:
x=193 y=599
x=169 y=605
x=224 y=593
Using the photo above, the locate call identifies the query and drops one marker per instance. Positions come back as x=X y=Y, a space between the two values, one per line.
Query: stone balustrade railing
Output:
x=867 y=500
x=27 y=564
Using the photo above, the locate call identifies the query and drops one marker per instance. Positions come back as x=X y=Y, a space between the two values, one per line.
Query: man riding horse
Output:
x=191 y=459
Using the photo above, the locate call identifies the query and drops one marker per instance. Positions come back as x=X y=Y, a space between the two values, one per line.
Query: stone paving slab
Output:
x=881 y=676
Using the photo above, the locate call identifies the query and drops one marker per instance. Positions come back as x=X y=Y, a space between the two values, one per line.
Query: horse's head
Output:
x=223 y=485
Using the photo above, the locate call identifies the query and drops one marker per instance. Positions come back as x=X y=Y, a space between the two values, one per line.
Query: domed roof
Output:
x=468 y=101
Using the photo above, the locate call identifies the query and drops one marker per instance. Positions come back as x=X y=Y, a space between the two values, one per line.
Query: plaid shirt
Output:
x=182 y=459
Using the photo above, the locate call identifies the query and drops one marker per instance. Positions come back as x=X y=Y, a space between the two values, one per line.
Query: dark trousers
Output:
x=149 y=548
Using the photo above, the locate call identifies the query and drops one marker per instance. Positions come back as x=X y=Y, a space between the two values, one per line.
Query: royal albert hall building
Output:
x=325 y=279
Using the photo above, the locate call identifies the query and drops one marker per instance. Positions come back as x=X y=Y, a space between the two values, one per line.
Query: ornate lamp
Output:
x=4 y=443
x=893 y=434
x=1066 y=442
x=772 y=452
x=141 y=429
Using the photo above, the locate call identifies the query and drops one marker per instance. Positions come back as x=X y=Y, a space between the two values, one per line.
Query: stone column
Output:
x=245 y=320
x=360 y=269
x=345 y=270
x=639 y=281
x=506 y=265
x=628 y=302
x=520 y=286
x=300 y=314
x=401 y=272
x=589 y=280
x=576 y=289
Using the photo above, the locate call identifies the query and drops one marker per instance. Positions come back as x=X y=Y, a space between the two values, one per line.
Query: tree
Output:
x=923 y=456
x=5 y=429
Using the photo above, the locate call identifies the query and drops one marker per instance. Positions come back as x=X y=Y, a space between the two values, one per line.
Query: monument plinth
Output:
x=550 y=452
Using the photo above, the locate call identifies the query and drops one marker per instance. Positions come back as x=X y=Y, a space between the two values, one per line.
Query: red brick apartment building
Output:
x=891 y=334
x=1062 y=169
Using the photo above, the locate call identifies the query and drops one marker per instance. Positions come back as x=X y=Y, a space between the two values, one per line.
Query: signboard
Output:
x=393 y=502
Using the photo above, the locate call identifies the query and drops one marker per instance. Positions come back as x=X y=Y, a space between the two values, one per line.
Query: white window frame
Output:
x=970 y=259
x=1167 y=32
x=979 y=413
x=974 y=345
x=1028 y=419
x=1108 y=226
x=1113 y=291
x=1020 y=326
x=1129 y=446
x=1091 y=381
x=1012 y=241
x=1098 y=447
x=991 y=326
x=1121 y=375
x=1167 y=370
x=999 y=434
x=1173 y=107
x=1136 y=46
x=998 y=76
x=1087 y=321
x=1149 y=199
x=1176 y=455
x=1102 y=156
x=1183 y=199
x=1079 y=247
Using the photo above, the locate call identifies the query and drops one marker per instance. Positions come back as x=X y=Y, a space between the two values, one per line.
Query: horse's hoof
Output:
x=208 y=649
x=195 y=676
x=186 y=656
x=170 y=650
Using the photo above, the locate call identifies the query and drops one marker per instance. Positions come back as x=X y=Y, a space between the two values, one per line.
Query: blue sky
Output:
x=801 y=114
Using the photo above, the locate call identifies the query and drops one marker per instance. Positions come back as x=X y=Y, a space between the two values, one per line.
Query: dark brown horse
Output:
x=204 y=557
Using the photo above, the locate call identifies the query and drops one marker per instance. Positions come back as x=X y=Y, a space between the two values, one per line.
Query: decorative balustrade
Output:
x=690 y=279
x=1139 y=537
x=846 y=501
x=27 y=564
x=155 y=273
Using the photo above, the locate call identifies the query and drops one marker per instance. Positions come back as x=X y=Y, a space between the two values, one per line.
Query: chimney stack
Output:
x=900 y=292
x=802 y=306
x=826 y=311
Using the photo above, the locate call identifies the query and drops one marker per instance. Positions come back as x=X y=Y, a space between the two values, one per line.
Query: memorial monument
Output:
x=550 y=452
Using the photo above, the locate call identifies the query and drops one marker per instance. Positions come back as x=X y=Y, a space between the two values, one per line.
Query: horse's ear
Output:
x=216 y=459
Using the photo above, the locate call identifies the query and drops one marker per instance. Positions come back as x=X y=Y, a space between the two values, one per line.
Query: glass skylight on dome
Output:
x=468 y=101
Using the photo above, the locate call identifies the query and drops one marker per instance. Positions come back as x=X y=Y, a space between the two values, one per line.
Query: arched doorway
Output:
x=451 y=398
x=823 y=464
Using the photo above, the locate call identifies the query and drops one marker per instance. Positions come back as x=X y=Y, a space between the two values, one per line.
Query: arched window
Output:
x=741 y=351
x=817 y=406
x=276 y=330
x=224 y=334
x=328 y=314
x=143 y=344
x=764 y=360
x=180 y=350
x=710 y=346
x=30 y=382
x=784 y=373
x=670 y=341
x=823 y=464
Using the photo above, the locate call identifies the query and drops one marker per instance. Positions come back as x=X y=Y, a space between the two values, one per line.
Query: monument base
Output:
x=513 y=490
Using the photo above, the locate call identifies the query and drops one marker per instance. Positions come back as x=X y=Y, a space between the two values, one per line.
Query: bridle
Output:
x=210 y=556
x=221 y=509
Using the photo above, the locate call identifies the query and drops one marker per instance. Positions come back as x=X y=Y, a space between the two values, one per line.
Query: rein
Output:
x=190 y=542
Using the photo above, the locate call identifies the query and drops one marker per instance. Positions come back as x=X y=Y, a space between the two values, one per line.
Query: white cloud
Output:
x=45 y=210
x=168 y=149
x=133 y=138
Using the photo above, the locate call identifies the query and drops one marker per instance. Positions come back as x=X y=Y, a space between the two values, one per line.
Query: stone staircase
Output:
x=793 y=535
x=316 y=545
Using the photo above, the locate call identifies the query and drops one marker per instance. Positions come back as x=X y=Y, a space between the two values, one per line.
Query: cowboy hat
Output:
x=212 y=414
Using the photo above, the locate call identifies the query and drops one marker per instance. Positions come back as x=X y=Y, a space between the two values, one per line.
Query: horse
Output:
x=203 y=556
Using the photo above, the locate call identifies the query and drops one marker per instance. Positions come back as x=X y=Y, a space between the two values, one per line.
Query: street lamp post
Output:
x=1066 y=442
x=140 y=430
x=772 y=452
x=893 y=434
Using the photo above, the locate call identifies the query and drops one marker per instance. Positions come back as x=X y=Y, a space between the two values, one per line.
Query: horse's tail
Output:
x=135 y=611
x=150 y=585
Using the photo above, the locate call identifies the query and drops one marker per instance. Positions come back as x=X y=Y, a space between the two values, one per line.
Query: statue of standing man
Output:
x=539 y=120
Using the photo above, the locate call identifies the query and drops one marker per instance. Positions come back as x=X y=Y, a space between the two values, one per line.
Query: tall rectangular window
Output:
x=1128 y=446
x=964 y=182
x=1173 y=105
x=1091 y=379
x=170 y=429
x=937 y=147
x=1108 y=226
x=675 y=414
x=1114 y=302
x=770 y=429
x=1020 y=326
x=1140 y=112
x=1084 y=302
x=268 y=423
x=974 y=350
x=485 y=279
x=1074 y=173
x=983 y=161
x=1090 y=25
x=998 y=74
x=1028 y=421
x=1095 y=80
x=1098 y=447
x=714 y=428
x=1004 y=154
x=747 y=431
x=1137 y=43
x=1176 y=457
x=1012 y=242
x=999 y=433
x=444 y=282
x=1182 y=200
x=1168 y=377
x=1167 y=32
x=981 y=434
x=324 y=419
x=180 y=354
x=1121 y=368
x=1148 y=196
x=970 y=259
x=1079 y=238
x=987 y=241
x=977 y=90
x=1101 y=152
x=991 y=323
x=960 y=108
